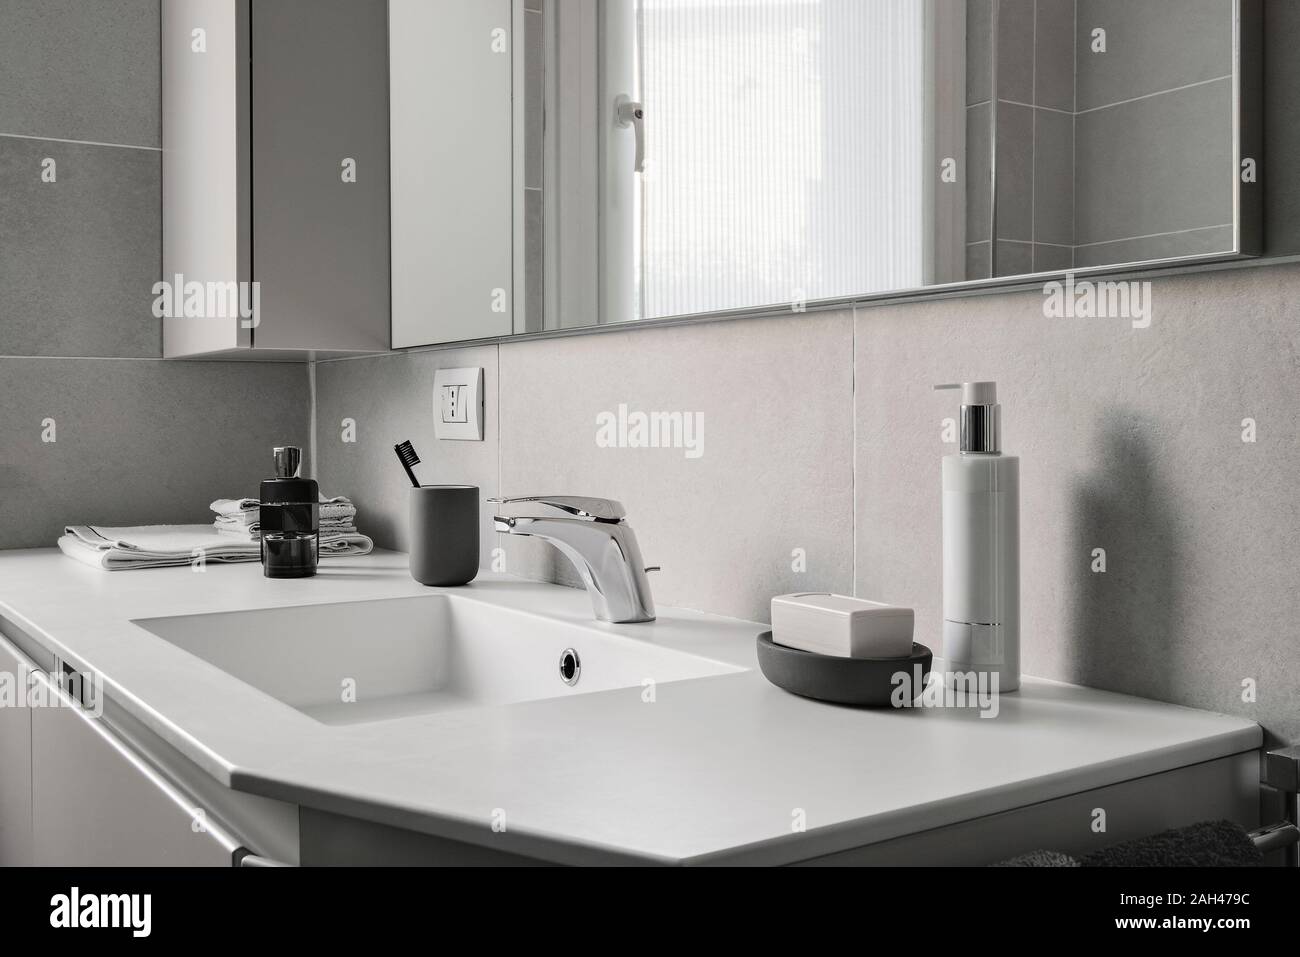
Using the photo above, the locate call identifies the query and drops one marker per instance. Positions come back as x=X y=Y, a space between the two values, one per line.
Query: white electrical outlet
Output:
x=458 y=404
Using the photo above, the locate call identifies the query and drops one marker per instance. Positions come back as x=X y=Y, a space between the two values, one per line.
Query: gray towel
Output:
x=1040 y=859
x=1208 y=844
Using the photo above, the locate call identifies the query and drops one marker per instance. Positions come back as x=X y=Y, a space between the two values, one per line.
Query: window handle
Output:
x=628 y=112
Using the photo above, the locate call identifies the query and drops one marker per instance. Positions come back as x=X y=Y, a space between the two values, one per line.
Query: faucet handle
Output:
x=563 y=506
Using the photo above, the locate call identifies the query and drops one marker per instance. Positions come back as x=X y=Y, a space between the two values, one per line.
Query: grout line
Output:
x=311 y=420
x=1172 y=232
x=56 y=139
x=1074 y=140
x=1147 y=96
x=1033 y=139
x=1050 y=109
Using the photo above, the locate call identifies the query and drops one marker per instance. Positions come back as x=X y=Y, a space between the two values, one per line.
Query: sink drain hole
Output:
x=570 y=667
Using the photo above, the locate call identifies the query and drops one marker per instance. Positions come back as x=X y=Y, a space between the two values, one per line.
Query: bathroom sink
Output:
x=356 y=662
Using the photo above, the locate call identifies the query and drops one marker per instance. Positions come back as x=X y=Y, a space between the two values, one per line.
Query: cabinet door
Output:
x=96 y=803
x=15 y=759
x=320 y=174
x=450 y=75
x=206 y=230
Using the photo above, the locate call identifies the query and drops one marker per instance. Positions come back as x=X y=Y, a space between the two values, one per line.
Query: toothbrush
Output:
x=406 y=455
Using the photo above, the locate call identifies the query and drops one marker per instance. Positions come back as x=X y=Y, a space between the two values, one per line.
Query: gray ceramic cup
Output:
x=444 y=534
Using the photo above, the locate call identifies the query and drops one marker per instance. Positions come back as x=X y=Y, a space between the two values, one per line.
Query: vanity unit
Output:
x=358 y=718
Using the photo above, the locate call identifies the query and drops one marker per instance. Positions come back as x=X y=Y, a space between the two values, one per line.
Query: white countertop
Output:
x=711 y=771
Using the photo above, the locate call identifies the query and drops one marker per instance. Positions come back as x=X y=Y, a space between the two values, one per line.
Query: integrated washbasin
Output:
x=357 y=662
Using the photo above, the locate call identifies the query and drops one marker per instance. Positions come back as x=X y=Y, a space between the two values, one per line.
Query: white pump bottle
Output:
x=981 y=548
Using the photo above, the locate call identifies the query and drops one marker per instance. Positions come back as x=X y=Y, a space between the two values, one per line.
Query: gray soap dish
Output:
x=864 y=682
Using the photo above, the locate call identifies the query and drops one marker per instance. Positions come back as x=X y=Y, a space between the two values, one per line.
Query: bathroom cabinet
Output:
x=275 y=178
x=15 y=761
x=97 y=803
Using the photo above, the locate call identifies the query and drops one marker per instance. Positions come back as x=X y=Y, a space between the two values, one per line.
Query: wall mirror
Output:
x=679 y=157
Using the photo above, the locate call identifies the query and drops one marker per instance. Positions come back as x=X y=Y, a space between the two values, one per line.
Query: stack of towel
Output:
x=239 y=519
x=233 y=537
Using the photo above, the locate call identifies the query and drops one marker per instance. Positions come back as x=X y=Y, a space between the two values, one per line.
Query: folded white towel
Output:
x=253 y=533
x=345 y=543
x=246 y=510
x=235 y=506
x=117 y=548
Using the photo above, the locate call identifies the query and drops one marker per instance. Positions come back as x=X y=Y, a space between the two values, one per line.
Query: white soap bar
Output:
x=841 y=626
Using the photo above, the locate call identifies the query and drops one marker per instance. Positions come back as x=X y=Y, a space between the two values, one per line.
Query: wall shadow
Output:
x=1125 y=625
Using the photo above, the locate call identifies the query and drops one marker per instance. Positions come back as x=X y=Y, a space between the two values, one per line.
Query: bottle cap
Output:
x=981 y=416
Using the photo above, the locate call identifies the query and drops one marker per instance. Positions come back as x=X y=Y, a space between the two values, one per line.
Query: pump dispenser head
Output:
x=981 y=417
x=288 y=461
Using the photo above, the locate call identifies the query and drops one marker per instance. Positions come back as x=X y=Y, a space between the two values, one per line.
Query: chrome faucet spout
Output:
x=592 y=534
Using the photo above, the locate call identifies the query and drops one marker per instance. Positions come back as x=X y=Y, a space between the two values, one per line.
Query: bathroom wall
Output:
x=94 y=427
x=819 y=467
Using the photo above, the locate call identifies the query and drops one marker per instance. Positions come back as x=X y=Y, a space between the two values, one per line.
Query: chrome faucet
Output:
x=592 y=533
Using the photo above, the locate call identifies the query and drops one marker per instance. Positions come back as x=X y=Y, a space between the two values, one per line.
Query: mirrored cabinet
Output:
x=275 y=178
x=421 y=172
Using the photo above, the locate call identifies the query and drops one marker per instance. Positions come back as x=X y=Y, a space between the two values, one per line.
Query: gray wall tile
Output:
x=1215 y=239
x=534 y=259
x=81 y=254
x=1054 y=55
x=1154 y=165
x=139 y=442
x=1015 y=172
x=978 y=182
x=1137 y=449
x=776 y=470
x=1151 y=46
x=390 y=397
x=1015 y=59
x=1014 y=259
x=81 y=71
x=979 y=51
x=1049 y=258
x=977 y=260
x=1053 y=177
x=535 y=101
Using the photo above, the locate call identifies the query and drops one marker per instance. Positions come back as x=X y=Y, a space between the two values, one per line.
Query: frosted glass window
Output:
x=785 y=144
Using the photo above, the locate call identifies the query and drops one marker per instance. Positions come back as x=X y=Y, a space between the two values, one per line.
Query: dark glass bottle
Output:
x=290 y=519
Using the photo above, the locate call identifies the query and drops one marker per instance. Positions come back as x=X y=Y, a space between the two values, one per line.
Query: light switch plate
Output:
x=458 y=404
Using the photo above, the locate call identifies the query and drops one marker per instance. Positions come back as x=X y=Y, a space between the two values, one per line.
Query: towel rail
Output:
x=1281 y=771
